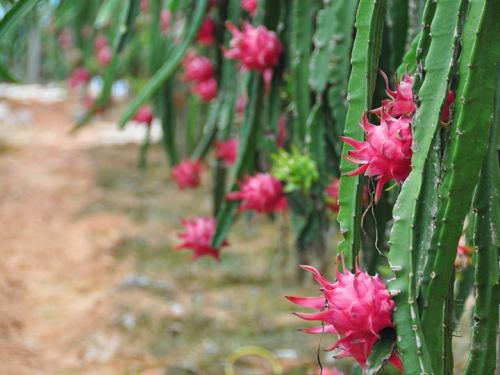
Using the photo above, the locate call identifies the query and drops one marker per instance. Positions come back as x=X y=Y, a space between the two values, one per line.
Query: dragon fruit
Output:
x=104 y=55
x=401 y=101
x=206 y=34
x=227 y=151
x=464 y=255
x=250 y=6
x=332 y=195
x=445 y=115
x=165 y=20
x=356 y=307
x=78 y=77
x=100 y=42
x=187 y=174
x=328 y=371
x=197 y=68
x=261 y=193
x=386 y=153
x=144 y=115
x=206 y=90
x=256 y=48
x=197 y=236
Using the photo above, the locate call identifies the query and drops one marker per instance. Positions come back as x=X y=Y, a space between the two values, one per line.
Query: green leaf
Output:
x=381 y=351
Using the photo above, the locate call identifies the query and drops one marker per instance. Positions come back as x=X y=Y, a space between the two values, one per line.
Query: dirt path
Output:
x=57 y=271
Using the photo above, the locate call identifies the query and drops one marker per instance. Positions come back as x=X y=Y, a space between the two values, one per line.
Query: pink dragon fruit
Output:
x=197 y=68
x=401 y=101
x=78 y=77
x=464 y=255
x=332 y=195
x=241 y=104
x=261 y=193
x=165 y=20
x=445 y=115
x=144 y=115
x=328 y=371
x=197 y=236
x=386 y=153
x=206 y=90
x=187 y=174
x=256 y=48
x=250 y=6
x=104 y=56
x=65 y=39
x=227 y=151
x=144 y=5
x=100 y=42
x=206 y=34
x=356 y=307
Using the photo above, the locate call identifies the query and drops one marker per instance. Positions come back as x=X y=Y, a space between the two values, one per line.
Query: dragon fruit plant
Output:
x=383 y=118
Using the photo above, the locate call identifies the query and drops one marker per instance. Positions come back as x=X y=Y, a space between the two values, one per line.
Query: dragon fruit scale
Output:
x=386 y=153
x=197 y=236
x=261 y=193
x=256 y=48
x=187 y=174
x=357 y=307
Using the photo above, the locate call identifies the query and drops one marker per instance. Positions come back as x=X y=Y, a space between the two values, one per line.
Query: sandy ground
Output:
x=57 y=270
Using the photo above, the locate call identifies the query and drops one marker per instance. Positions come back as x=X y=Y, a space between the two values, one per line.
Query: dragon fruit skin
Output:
x=78 y=77
x=332 y=195
x=144 y=115
x=165 y=20
x=261 y=193
x=206 y=34
x=187 y=174
x=356 y=307
x=197 y=68
x=227 y=151
x=250 y=6
x=197 y=236
x=206 y=90
x=256 y=48
x=401 y=101
x=445 y=115
x=386 y=153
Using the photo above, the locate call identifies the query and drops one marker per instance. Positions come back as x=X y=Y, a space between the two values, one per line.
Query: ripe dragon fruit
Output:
x=227 y=151
x=197 y=68
x=206 y=34
x=165 y=20
x=199 y=71
x=401 y=101
x=206 y=90
x=104 y=56
x=386 y=153
x=197 y=236
x=256 y=48
x=261 y=193
x=187 y=174
x=100 y=42
x=144 y=115
x=328 y=371
x=445 y=115
x=357 y=307
x=332 y=196
x=464 y=255
x=78 y=77
x=250 y=6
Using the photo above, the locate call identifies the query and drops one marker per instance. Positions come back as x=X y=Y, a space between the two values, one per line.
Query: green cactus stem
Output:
x=469 y=136
x=365 y=56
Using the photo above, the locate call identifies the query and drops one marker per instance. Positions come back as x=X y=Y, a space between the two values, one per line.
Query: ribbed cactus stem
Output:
x=469 y=137
x=486 y=240
x=364 y=61
x=411 y=341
